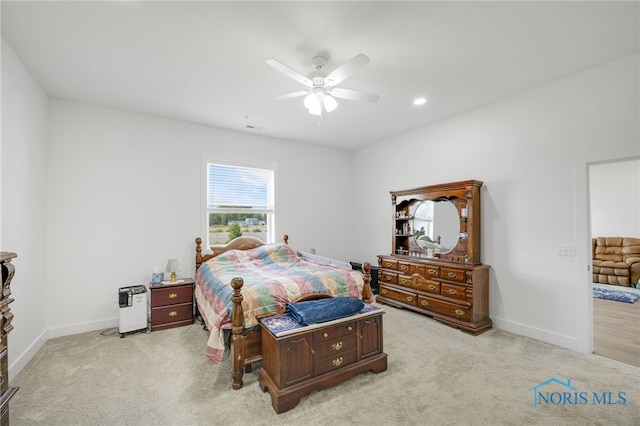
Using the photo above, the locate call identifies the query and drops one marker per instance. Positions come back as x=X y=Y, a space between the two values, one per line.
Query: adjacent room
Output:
x=138 y=134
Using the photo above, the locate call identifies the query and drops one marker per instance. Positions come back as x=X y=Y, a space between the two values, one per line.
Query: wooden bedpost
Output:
x=237 y=327
x=198 y=252
x=367 y=293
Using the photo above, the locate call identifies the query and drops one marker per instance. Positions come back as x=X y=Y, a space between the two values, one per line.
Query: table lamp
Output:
x=173 y=267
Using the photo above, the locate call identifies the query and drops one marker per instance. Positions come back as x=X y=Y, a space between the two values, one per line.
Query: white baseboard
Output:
x=83 y=327
x=23 y=359
x=546 y=336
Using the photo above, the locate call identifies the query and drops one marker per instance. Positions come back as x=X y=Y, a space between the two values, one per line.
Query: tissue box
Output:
x=156 y=278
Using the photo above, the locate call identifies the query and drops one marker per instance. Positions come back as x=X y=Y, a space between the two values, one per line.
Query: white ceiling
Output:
x=204 y=62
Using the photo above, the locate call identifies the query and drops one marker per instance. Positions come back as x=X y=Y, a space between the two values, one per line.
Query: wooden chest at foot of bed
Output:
x=319 y=356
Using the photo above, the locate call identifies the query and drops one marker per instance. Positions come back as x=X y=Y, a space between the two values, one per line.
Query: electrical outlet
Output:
x=565 y=250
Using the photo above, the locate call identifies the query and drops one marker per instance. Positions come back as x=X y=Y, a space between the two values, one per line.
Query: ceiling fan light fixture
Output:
x=330 y=104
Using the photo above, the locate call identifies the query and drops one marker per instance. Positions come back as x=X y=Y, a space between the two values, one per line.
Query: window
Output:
x=239 y=202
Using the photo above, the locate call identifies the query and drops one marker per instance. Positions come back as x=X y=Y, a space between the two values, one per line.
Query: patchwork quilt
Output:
x=273 y=275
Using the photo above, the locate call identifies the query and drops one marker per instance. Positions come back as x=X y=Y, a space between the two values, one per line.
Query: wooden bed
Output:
x=246 y=344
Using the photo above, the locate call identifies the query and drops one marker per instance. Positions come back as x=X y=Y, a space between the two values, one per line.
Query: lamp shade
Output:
x=172 y=265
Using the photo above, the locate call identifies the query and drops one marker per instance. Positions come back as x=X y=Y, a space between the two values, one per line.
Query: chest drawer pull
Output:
x=173 y=314
x=432 y=287
x=404 y=267
x=431 y=271
x=460 y=312
x=337 y=346
x=349 y=328
x=409 y=298
x=337 y=362
x=383 y=291
x=173 y=296
x=424 y=303
x=451 y=274
x=325 y=334
x=452 y=291
x=389 y=265
x=403 y=281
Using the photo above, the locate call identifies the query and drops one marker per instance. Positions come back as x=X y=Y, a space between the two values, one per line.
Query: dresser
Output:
x=6 y=392
x=319 y=356
x=171 y=304
x=434 y=267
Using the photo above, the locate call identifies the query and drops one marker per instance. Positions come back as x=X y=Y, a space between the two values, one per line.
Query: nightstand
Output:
x=171 y=304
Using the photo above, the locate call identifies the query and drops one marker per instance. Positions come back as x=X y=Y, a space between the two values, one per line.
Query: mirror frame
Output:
x=464 y=195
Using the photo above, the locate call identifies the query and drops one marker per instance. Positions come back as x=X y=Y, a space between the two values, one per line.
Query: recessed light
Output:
x=420 y=101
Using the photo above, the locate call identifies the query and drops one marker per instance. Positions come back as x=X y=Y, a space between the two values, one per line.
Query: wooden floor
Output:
x=616 y=330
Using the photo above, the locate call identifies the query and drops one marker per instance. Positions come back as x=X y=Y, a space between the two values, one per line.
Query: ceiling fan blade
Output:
x=347 y=69
x=286 y=69
x=354 y=95
x=287 y=96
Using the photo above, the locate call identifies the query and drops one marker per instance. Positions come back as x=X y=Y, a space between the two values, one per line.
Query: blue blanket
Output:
x=616 y=292
x=323 y=310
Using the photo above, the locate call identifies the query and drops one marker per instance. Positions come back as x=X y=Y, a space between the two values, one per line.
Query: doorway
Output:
x=614 y=207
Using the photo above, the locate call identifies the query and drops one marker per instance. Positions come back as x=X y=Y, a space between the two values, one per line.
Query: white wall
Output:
x=22 y=189
x=529 y=150
x=124 y=194
x=614 y=195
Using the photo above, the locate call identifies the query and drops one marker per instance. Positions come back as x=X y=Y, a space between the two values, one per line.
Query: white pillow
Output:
x=326 y=260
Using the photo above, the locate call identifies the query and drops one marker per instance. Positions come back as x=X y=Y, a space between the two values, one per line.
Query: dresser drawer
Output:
x=334 y=362
x=387 y=277
x=453 y=274
x=453 y=290
x=172 y=295
x=418 y=282
x=399 y=295
x=403 y=267
x=336 y=346
x=449 y=309
x=172 y=313
x=388 y=263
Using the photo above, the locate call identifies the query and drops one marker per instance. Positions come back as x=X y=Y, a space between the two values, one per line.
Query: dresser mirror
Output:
x=439 y=221
x=436 y=226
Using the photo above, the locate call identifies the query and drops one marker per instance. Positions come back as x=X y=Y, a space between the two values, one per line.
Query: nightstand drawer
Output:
x=173 y=313
x=172 y=295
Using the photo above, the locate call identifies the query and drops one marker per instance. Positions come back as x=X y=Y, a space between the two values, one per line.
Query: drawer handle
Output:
x=173 y=296
x=349 y=328
x=173 y=314
x=383 y=291
x=432 y=271
x=409 y=298
x=387 y=277
x=389 y=264
x=325 y=334
x=337 y=346
x=452 y=291
x=460 y=312
x=417 y=281
x=451 y=274
x=424 y=303
x=403 y=267
x=432 y=287
x=337 y=362
x=403 y=281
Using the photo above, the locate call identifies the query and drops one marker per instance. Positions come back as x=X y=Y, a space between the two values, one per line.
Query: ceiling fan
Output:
x=320 y=88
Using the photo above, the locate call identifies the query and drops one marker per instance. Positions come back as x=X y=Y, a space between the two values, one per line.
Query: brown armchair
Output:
x=616 y=260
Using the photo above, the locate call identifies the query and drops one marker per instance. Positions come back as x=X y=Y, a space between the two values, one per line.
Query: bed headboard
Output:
x=240 y=243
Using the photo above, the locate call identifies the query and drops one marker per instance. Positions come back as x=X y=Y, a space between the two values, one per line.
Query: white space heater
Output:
x=133 y=309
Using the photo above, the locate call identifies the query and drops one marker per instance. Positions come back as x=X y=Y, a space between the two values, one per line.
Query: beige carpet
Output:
x=437 y=376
